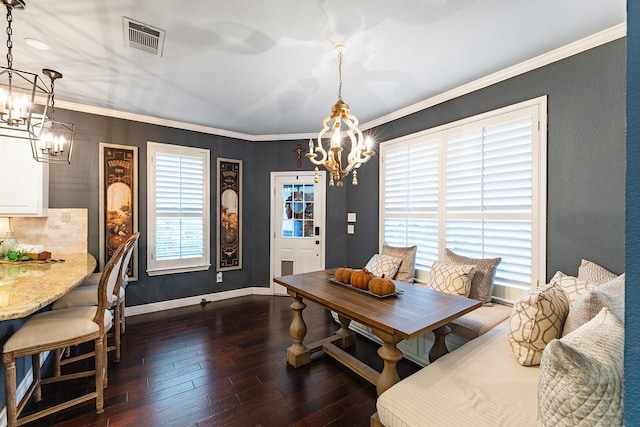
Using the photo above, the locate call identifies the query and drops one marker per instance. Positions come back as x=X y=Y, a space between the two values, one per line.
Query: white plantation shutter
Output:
x=488 y=200
x=491 y=172
x=178 y=204
x=410 y=197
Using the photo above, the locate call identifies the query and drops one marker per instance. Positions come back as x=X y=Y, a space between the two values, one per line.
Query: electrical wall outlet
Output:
x=219 y=277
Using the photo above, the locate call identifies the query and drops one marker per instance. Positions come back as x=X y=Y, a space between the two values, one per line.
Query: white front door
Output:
x=297 y=224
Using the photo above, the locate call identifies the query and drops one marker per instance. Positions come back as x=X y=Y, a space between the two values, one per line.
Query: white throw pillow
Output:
x=581 y=376
x=573 y=286
x=383 y=265
x=593 y=272
x=588 y=305
x=450 y=278
x=537 y=319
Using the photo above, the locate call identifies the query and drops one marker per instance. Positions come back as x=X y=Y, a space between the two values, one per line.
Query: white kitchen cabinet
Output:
x=24 y=182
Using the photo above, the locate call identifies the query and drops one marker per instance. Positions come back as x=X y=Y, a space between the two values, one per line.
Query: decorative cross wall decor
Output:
x=299 y=150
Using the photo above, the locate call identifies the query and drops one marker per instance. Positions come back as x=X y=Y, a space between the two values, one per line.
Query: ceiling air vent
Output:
x=143 y=37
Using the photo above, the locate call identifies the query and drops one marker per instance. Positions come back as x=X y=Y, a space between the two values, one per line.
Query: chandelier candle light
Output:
x=340 y=121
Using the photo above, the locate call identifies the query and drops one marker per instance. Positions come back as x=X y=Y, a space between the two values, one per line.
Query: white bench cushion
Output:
x=480 y=320
x=479 y=384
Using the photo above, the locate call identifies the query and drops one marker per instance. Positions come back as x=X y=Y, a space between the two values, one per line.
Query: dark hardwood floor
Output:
x=224 y=365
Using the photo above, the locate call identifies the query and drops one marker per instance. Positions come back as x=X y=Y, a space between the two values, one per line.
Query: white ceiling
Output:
x=261 y=67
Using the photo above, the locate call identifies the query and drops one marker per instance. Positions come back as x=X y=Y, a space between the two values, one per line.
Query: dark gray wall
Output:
x=586 y=163
x=279 y=156
x=586 y=156
x=77 y=186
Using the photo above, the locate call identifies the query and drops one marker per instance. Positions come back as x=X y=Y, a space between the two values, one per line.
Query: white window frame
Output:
x=160 y=267
x=538 y=109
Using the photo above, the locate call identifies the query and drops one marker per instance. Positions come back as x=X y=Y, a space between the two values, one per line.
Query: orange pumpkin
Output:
x=382 y=286
x=343 y=275
x=361 y=279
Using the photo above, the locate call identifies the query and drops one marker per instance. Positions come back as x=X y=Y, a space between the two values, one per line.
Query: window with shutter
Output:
x=178 y=209
x=476 y=186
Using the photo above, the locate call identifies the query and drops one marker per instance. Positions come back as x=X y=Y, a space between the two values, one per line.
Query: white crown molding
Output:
x=150 y=120
x=582 y=45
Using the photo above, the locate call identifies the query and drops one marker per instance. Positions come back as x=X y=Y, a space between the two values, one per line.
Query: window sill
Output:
x=174 y=270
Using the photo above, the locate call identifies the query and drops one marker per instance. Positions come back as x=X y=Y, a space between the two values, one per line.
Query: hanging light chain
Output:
x=340 y=75
x=9 y=42
x=53 y=99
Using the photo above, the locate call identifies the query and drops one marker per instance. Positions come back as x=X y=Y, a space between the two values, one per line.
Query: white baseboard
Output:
x=185 y=302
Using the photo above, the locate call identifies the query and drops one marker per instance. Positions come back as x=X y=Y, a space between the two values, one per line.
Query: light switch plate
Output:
x=351 y=217
x=350 y=229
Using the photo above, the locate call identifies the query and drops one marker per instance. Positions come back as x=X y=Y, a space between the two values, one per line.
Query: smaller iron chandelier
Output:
x=331 y=158
x=55 y=143
x=24 y=98
x=24 y=106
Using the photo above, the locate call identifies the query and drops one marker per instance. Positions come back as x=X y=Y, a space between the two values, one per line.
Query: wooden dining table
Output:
x=413 y=311
x=28 y=286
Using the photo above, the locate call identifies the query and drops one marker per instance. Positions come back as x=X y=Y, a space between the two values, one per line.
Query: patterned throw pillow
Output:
x=381 y=265
x=482 y=283
x=450 y=278
x=581 y=376
x=593 y=272
x=536 y=319
x=573 y=286
x=588 y=305
x=407 y=269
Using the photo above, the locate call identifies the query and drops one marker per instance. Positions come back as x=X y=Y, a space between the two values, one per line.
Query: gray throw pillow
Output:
x=407 y=269
x=482 y=283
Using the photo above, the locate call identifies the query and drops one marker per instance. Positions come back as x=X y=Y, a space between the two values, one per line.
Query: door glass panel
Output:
x=297 y=212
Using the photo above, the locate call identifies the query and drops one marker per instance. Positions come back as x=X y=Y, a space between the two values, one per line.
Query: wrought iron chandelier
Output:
x=340 y=121
x=55 y=143
x=24 y=103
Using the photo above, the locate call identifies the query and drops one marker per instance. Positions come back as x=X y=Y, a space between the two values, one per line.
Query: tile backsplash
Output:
x=62 y=231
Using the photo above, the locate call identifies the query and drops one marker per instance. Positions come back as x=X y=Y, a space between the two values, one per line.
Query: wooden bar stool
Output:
x=55 y=330
x=86 y=294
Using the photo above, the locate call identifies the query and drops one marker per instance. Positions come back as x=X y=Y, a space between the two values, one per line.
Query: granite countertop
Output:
x=26 y=287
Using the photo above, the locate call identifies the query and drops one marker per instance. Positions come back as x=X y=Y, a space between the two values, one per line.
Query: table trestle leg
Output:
x=347 y=335
x=439 y=347
x=297 y=353
x=390 y=354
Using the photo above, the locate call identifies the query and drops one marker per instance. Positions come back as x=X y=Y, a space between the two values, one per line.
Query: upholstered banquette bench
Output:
x=556 y=361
